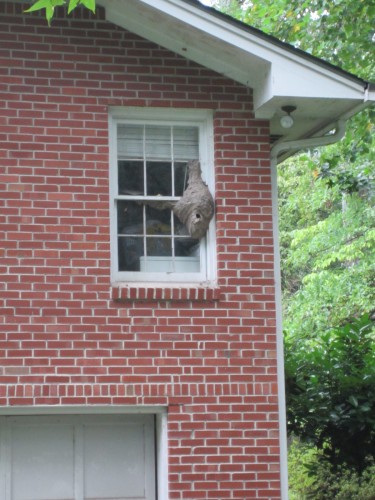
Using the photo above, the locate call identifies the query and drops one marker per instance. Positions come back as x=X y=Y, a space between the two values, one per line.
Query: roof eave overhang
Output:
x=278 y=74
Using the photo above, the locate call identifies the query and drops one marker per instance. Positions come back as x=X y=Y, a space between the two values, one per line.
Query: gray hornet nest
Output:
x=195 y=208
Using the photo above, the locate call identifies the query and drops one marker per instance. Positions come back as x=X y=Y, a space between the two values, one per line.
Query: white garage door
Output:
x=77 y=457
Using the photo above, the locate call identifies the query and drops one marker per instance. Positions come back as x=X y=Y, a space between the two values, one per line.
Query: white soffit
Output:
x=278 y=75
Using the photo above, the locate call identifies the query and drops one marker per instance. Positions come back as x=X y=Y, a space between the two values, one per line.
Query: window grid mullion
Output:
x=172 y=237
x=145 y=193
x=144 y=232
x=172 y=160
x=173 y=193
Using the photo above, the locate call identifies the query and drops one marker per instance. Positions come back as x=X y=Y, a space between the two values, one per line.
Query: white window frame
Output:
x=203 y=119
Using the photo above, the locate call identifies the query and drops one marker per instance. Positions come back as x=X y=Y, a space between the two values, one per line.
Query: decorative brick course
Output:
x=70 y=337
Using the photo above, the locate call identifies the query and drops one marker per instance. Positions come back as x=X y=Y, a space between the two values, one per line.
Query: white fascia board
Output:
x=287 y=79
x=223 y=47
x=287 y=82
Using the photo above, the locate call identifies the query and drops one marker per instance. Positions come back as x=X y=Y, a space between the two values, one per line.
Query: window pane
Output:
x=130 y=224
x=129 y=217
x=130 y=141
x=130 y=178
x=159 y=247
x=165 y=264
x=158 y=142
x=159 y=178
x=187 y=247
x=185 y=143
x=130 y=249
x=158 y=222
x=180 y=178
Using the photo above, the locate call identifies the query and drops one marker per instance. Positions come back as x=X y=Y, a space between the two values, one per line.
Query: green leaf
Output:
x=49 y=14
x=72 y=5
x=353 y=401
x=89 y=4
x=40 y=4
x=49 y=5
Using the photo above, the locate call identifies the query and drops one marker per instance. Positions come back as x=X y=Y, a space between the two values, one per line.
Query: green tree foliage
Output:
x=327 y=233
x=50 y=5
x=339 y=31
x=327 y=244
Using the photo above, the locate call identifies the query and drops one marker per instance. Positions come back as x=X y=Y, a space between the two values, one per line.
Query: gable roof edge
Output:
x=277 y=42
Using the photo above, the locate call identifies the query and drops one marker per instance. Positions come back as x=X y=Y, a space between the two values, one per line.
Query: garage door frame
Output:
x=161 y=429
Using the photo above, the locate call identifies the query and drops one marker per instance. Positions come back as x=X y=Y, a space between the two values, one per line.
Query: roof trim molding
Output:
x=278 y=73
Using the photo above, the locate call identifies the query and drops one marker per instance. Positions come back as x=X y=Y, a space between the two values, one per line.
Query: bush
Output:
x=313 y=478
x=300 y=459
x=330 y=385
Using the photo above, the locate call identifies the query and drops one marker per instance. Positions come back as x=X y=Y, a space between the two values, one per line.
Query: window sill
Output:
x=122 y=293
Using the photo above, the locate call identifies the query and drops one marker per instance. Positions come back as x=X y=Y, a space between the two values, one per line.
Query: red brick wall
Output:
x=64 y=340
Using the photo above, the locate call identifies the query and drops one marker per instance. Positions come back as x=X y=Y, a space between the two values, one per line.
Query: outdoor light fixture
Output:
x=287 y=121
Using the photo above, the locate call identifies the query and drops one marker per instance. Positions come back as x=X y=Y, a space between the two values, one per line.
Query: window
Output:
x=150 y=151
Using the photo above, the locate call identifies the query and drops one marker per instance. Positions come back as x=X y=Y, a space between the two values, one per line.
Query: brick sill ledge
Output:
x=158 y=292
